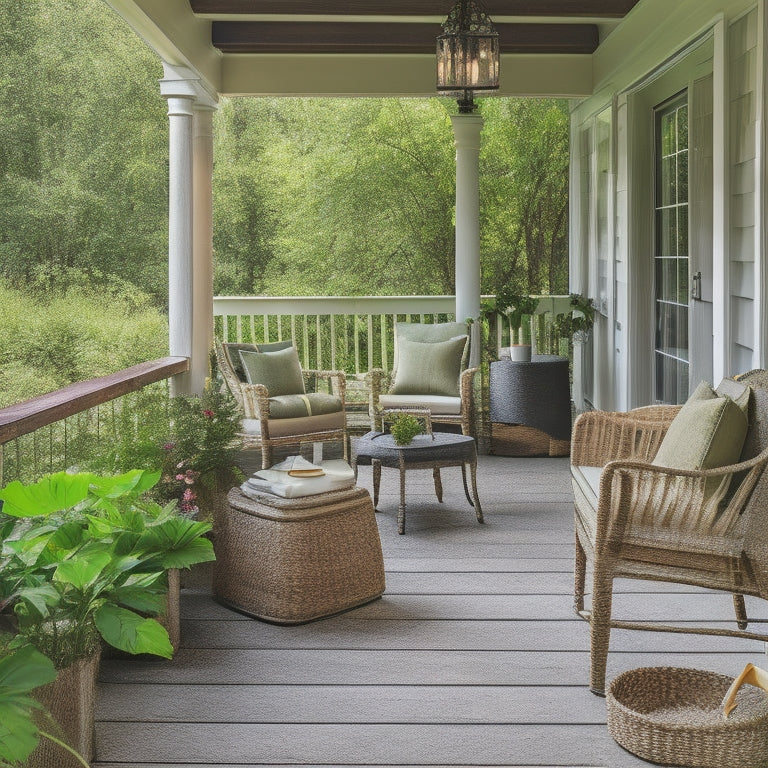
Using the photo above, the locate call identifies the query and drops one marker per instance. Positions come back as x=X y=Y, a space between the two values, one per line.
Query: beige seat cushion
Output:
x=310 y=404
x=299 y=426
x=437 y=404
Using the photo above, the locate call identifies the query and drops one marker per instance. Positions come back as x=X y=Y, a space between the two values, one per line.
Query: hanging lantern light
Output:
x=467 y=54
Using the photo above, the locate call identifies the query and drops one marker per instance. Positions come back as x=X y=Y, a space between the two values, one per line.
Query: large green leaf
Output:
x=20 y=672
x=18 y=732
x=139 y=598
x=134 y=482
x=82 y=570
x=37 y=600
x=198 y=551
x=130 y=632
x=24 y=670
x=52 y=493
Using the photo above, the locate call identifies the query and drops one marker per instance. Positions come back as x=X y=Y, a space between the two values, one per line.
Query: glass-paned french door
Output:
x=671 y=251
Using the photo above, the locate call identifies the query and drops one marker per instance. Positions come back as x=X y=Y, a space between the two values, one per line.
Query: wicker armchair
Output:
x=261 y=428
x=455 y=408
x=636 y=520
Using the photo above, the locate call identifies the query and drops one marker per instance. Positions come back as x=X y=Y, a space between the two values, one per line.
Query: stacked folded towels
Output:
x=297 y=477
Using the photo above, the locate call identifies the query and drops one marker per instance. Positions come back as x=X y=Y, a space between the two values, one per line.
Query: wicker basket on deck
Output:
x=675 y=717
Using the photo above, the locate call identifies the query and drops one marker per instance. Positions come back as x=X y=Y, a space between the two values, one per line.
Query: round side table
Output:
x=530 y=407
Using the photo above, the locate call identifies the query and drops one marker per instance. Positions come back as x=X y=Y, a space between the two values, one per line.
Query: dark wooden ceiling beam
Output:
x=354 y=37
x=608 y=9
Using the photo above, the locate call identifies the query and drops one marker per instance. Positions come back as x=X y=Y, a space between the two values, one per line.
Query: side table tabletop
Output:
x=441 y=449
x=530 y=407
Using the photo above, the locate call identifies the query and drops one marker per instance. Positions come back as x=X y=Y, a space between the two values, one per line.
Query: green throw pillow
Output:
x=708 y=432
x=429 y=369
x=233 y=353
x=279 y=371
x=432 y=332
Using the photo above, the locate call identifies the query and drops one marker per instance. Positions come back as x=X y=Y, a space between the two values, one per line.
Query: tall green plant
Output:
x=85 y=558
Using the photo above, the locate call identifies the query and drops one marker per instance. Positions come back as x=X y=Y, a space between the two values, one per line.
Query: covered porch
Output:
x=472 y=657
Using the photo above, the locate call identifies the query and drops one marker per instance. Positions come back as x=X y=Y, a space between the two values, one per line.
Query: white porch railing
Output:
x=354 y=334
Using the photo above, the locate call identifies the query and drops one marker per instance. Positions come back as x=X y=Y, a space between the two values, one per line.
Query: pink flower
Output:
x=208 y=413
x=189 y=495
x=180 y=477
x=169 y=446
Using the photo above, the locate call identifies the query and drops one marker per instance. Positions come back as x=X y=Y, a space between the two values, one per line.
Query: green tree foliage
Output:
x=73 y=335
x=83 y=178
x=356 y=196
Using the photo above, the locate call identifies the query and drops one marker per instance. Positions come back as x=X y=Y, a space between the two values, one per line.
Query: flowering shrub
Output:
x=203 y=448
x=192 y=440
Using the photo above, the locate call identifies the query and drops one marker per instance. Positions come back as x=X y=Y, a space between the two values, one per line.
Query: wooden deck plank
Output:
x=400 y=744
x=492 y=606
x=203 y=666
x=349 y=704
x=438 y=634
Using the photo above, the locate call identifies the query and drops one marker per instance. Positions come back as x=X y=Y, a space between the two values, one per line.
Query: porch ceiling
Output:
x=368 y=47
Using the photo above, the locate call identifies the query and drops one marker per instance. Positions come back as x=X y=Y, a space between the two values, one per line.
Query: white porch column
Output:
x=202 y=247
x=189 y=200
x=466 y=131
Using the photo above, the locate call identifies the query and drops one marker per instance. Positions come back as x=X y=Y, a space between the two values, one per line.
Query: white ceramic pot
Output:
x=520 y=353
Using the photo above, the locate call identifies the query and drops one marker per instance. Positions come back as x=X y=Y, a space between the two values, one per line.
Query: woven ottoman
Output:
x=290 y=561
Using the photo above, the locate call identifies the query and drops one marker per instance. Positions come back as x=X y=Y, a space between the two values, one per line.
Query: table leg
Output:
x=466 y=488
x=376 y=466
x=401 y=508
x=478 y=509
x=438 y=484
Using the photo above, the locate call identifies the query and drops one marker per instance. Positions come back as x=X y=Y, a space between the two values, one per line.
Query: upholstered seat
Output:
x=271 y=388
x=648 y=506
x=430 y=372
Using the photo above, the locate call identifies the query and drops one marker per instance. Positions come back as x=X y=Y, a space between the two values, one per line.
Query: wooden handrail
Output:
x=26 y=417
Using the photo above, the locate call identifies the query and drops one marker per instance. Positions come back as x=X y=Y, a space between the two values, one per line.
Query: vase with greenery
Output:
x=404 y=428
x=515 y=309
x=84 y=560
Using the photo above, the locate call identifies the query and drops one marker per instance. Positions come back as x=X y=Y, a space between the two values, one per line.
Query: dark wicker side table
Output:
x=440 y=449
x=530 y=407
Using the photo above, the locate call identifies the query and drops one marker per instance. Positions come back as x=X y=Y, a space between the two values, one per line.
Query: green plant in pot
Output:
x=516 y=310
x=84 y=560
x=404 y=428
x=578 y=322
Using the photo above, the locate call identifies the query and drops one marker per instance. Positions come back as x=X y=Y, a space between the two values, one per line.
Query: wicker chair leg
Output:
x=741 y=611
x=579 y=574
x=266 y=455
x=600 y=631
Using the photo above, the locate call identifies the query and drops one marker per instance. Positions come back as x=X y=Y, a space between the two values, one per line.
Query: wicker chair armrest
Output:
x=255 y=401
x=603 y=436
x=466 y=388
x=337 y=380
x=655 y=412
x=637 y=494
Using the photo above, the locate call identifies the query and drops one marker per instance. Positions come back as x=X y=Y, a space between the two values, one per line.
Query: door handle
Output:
x=696 y=286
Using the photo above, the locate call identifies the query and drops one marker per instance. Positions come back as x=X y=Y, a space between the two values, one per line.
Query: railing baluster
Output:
x=279 y=327
x=293 y=329
x=319 y=344
x=383 y=340
x=357 y=343
x=306 y=341
x=370 y=342
x=333 y=342
x=265 y=328
x=239 y=327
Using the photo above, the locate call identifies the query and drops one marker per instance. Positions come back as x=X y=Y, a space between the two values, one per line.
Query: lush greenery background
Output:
x=312 y=196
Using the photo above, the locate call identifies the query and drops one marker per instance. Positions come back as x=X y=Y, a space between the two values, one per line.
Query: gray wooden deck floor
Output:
x=473 y=657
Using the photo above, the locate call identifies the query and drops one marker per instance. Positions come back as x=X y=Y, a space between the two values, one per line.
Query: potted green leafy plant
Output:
x=85 y=561
x=404 y=428
x=578 y=322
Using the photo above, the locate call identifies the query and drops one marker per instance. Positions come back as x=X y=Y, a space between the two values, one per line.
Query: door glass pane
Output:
x=671 y=256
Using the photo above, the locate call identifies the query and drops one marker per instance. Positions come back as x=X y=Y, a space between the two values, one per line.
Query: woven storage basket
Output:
x=674 y=716
x=289 y=561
